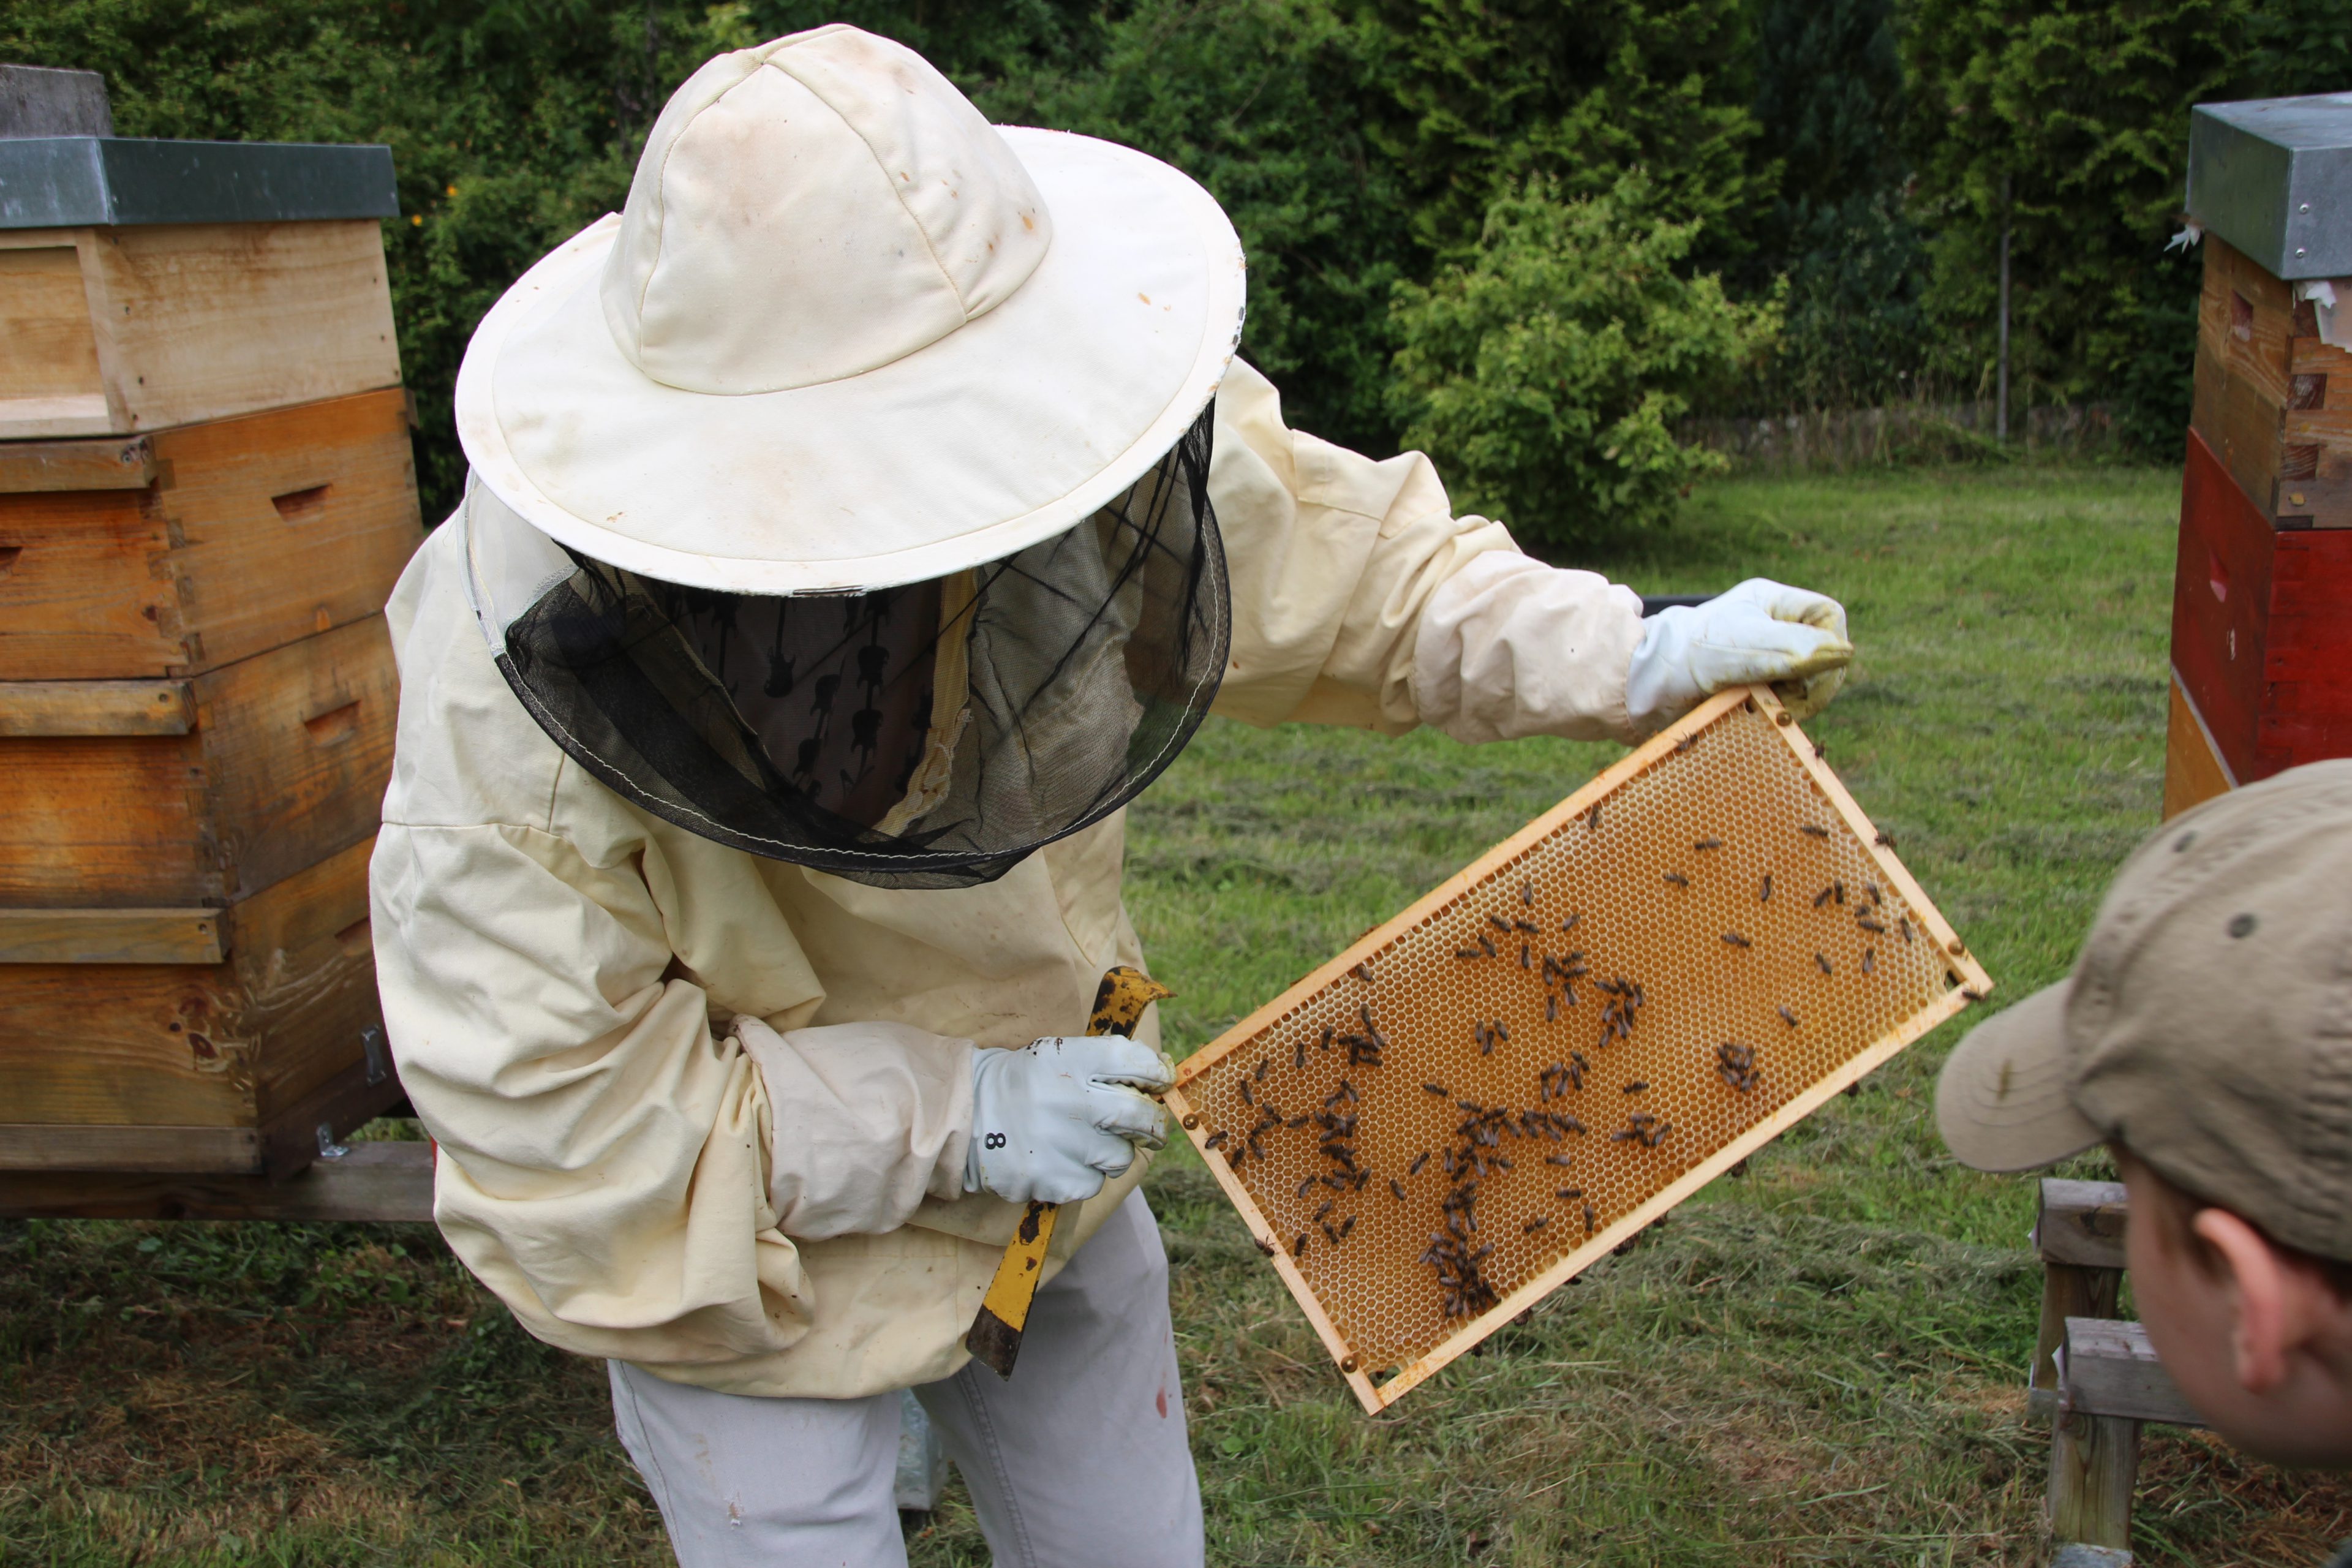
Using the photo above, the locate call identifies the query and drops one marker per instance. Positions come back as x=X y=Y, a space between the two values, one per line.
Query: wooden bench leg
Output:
x=2094 y=1463
x=2068 y=1290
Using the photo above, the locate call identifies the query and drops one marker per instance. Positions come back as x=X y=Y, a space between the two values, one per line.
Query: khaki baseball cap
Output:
x=2208 y=1023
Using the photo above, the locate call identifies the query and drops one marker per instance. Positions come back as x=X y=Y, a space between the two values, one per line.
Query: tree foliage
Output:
x=1255 y=99
x=1843 y=157
x=1546 y=373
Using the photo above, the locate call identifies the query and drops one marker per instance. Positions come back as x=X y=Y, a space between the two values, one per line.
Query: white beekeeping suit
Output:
x=857 y=522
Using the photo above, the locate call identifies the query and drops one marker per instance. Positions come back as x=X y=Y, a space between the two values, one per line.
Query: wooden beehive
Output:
x=1596 y=1018
x=2261 y=649
x=207 y=494
x=121 y=329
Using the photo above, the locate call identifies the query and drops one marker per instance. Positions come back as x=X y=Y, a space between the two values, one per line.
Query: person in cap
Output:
x=855 y=523
x=2205 y=1035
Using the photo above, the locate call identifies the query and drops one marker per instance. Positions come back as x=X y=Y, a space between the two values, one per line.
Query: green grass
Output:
x=1818 y=1364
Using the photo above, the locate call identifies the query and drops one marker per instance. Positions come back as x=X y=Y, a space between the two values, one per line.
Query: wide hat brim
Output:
x=1013 y=428
x=2001 y=1102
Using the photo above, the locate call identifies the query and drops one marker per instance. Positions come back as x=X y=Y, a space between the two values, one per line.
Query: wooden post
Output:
x=2093 y=1461
x=2079 y=1234
x=2068 y=1290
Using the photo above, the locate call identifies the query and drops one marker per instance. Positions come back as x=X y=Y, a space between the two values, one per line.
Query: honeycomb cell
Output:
x=1640 y=984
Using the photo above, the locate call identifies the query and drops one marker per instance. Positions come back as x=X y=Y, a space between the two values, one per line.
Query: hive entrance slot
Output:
x=302 y=506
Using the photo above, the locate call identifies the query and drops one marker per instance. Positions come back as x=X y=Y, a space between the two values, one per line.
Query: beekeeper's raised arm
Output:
x=1361 y=598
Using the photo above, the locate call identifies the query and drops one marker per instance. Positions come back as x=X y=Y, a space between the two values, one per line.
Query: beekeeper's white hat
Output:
x=847 y=334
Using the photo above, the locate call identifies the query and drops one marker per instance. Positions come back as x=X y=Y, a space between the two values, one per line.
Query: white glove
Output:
x=1759 y=631
x=1056 y=1117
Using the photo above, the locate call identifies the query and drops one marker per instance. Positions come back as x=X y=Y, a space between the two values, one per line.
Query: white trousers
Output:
x=1080 y=1461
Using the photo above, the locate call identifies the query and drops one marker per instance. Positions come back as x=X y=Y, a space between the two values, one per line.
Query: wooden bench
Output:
x=2095 y=1377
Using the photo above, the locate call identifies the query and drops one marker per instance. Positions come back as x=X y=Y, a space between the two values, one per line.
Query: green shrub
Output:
x=1545 y=375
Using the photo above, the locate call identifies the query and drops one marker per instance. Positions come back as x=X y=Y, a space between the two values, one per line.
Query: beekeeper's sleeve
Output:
x=1360 y=599
x=550 y=971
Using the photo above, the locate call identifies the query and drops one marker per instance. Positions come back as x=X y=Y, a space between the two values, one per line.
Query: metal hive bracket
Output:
x=1738 y=754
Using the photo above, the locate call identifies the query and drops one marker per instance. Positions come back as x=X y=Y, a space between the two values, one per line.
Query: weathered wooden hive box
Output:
x=206 y=492
x=2262 y=639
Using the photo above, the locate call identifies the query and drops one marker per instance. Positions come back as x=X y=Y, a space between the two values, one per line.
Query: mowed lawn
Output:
x=1820 y=1363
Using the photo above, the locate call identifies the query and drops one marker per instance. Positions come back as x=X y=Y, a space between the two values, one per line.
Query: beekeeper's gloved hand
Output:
x=1056 y=1117
x=1759 y=631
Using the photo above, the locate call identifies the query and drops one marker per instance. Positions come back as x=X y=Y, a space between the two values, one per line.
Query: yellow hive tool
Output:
x=995 y=1336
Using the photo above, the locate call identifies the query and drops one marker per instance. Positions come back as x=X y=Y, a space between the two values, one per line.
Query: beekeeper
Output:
x=856 y=523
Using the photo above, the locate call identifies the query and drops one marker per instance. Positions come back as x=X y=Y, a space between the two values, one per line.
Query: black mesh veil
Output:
x=924 y=736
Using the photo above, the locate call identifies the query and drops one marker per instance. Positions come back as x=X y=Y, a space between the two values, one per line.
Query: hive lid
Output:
x=56 y=181
x=1717 y=941
x=2273 y=176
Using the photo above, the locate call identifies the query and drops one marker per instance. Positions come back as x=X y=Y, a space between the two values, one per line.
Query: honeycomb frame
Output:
x=1718 y=1046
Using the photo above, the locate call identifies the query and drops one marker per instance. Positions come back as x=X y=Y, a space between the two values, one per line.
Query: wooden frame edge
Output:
x=1975 y=983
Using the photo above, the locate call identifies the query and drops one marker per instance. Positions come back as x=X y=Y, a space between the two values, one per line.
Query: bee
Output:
x=1526 y=925
x=1821 y=752
x=1592 y=818
x=1362 y=972
x=1569 y=924
x=1708 y=844
x=1298 y=1056
x=1823 y=896
x=1328 y=1031
x=1326 y=1209
x=1840 y=887
x=1536 y=1224
x=1786 y=1017
x=1884 y=840
x=1824 y=963
x=1260 y=1074
x=1764 y=893
x=1298 y=1245
x=1903 y=926
x=1438 y=1089
x=1815 y=829
x=1869 y=959
x=1467 y=952
x=1551 y=1009
x=1867 y=923
x=1527 y=894
x=1344 y=1226
x=1246 y=1100
x=1215 y=1140
x=1524 y=959
x=1308 y=1183
x=1637 y=1087
x=1397 y=1191
x=1561 y=1159
x=1488 y=945
x=1498 y=922
x=1678 y=880
x=1588 y=1219
x=1736 y=940
x=1418 y=1161
x=1264 y=1245
x=1870 y=891
x=1972 y=993
x=1685 y=744
x=1571 y=1193
x=1502 y=1030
